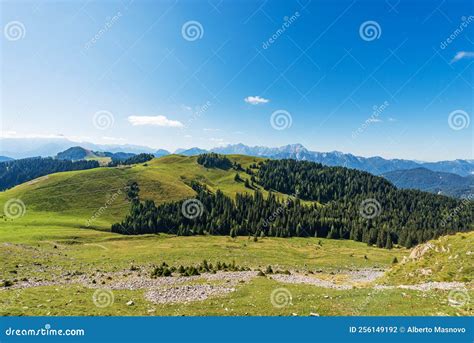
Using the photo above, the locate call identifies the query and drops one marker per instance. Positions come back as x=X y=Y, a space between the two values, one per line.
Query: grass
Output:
x=80 y=194
x=86 y=250
x=253 y=298
x=52 y=240
x=450 y=259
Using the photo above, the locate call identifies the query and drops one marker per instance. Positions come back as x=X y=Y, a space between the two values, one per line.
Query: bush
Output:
x=269 y=270
x=161 y=271
x=6 y=283
x=395 y=260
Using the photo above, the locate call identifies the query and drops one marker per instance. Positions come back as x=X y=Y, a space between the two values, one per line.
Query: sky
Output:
x=387 y=78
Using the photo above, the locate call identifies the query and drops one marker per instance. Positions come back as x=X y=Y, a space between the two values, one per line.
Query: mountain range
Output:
x=20 y=148
x=432 y=181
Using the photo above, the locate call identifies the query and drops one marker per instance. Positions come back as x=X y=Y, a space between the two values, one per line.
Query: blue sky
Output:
x=129 y=72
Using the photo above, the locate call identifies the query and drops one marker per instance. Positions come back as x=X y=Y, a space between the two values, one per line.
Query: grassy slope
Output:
x=450 y=259
x=73 y=197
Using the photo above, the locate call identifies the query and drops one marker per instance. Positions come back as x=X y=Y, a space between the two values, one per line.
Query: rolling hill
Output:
x=81 y=193
x=28 y=147
x=97 y=198
x=56 y=264
x=79 y=153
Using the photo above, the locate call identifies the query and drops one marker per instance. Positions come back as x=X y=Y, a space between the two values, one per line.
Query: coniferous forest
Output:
x=15 y=172
x=404 y=217
x=140 y=158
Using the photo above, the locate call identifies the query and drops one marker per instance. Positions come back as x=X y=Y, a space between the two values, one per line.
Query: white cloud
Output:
x=461 y=55
x=392 y=119
x=256 y=100
x=154 y=120
x=211 y=130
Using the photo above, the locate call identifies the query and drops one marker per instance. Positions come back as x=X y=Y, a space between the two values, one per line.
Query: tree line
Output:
x=15 y=172
x=140 y=158
x=403 y=217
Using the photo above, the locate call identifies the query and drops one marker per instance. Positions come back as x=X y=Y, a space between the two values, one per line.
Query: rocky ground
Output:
x=183 y=289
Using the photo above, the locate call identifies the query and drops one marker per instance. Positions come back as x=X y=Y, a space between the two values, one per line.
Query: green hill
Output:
x=79 y=194
x=53 y=265
x=448 y=258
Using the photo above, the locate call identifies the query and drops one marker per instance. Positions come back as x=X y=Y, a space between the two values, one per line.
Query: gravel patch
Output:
x=302 y=279
x=365 y=275
x=186 y=293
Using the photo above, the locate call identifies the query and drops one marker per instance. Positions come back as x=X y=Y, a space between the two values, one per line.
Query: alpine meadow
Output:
x=302 y=158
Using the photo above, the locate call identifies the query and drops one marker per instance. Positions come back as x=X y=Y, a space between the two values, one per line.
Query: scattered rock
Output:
x=186 y=293
x=420 y=250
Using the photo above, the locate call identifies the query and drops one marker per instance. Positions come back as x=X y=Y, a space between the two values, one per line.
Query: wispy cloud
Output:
x=462 y=55
x=256 y=100
x=154 y=121
x=211 y=130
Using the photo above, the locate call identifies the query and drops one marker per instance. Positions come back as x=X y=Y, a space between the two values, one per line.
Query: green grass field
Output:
x=50 y=243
